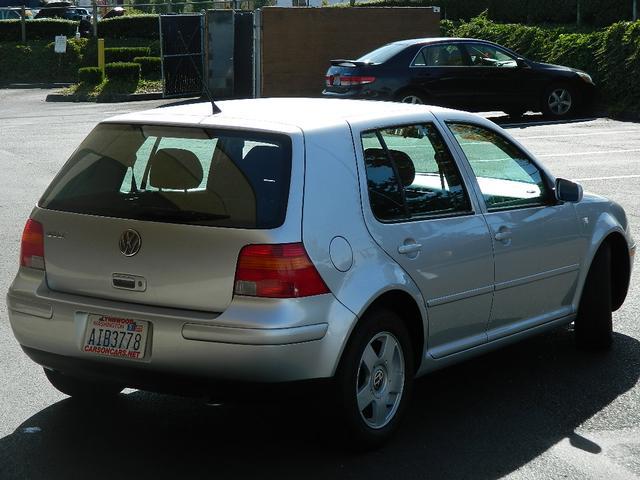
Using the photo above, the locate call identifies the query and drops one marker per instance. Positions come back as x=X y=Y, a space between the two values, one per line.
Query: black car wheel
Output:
x=82 y=389
x=374 y=379
x=559 y=101
x=412 y=97
x=593 y=325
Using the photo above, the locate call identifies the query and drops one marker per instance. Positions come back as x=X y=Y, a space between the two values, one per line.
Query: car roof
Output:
x=414 y=41
x=276 y=113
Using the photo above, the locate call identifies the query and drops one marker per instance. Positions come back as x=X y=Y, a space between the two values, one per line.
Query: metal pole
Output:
x=579 y=13
x=23 y=25
x=94 y=20
x=634 y=12
x=168 y=6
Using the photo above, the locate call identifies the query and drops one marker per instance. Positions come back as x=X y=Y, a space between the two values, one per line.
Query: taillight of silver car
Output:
x=32 y=246
x=277 y=271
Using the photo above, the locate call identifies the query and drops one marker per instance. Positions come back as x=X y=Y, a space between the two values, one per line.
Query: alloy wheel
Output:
x=559 y=101
x=380 y=380
x=412 y=99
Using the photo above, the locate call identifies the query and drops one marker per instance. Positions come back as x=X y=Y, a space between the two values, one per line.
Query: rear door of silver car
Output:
x=418 y=209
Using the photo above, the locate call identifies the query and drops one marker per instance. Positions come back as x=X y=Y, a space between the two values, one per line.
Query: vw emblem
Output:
x=378 y=379
x=130 y=243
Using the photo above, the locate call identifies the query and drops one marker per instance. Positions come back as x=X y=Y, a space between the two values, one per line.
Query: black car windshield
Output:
x=382 y=54
x=198 y=176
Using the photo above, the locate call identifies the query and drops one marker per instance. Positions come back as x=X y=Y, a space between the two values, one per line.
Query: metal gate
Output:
x=230 y=53
x=182 y=54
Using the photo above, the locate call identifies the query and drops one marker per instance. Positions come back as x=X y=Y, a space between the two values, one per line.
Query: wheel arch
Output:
x=620 y=266
x=406 y=307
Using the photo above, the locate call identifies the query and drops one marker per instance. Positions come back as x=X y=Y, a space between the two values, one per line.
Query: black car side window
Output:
x=482 y=55
x=440 y=55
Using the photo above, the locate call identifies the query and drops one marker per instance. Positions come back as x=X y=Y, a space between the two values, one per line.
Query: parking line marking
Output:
x=609 y=132
x=614 y=177
x=588 y=153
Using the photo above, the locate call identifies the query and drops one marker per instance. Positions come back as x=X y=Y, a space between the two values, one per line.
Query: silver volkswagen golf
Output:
x=283 y=240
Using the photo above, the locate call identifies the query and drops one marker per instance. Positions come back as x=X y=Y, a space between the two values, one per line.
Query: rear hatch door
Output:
x=157 y=215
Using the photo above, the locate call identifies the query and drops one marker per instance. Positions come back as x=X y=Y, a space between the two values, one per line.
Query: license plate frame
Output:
x=116 y=337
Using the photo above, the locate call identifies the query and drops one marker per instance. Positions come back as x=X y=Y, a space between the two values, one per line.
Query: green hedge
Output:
x=594 y=12
x=139 y=26
x=610 y=55
x=150 y=67
x=41 y=29
x=90 y=75
x=37 y=61
x=125 y=54
x=123 y=71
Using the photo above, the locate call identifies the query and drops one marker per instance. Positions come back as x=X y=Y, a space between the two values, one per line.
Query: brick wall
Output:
x=298 y=43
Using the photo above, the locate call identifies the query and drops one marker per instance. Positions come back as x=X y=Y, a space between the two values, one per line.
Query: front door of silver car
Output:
x=421 y=214
x=536 y=240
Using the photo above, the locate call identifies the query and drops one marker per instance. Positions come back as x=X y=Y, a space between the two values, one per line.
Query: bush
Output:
x=41 y=29
x=125 y=54
x=123 y=71
x=140 y=26
x=150 y=67
x=90 y=75
x=611 y=55
x=594 y=12
x=37 y=61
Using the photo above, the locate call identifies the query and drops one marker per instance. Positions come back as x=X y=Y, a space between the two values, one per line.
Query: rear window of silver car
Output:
x=195 y=176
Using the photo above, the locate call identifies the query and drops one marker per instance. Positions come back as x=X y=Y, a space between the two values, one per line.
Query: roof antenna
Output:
x=214 y=108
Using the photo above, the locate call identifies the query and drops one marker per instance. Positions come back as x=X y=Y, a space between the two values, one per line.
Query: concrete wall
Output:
x=298 y=43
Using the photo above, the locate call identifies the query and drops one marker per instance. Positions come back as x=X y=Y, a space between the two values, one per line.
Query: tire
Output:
x=559 y=102
x=593 y=325
x=515 y=114
x=374 y=380
x=411 y=96
x=82 y=389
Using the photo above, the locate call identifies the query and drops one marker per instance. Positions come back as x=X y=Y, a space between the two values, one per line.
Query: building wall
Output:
x=298 y=43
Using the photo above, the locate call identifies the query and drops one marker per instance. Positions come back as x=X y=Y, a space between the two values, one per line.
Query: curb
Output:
x=26 y=86
x=116 y=98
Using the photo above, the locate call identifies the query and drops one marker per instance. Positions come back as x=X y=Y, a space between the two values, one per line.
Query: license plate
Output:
x=115 y=337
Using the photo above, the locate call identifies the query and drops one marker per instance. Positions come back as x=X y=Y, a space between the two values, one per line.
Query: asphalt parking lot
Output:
x=538 y=410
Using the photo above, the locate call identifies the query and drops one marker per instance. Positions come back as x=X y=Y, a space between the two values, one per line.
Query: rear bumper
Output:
x=253 y=340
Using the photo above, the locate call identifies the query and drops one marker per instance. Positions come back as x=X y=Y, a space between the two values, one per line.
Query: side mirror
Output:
x=522 y=63
x=568 y=191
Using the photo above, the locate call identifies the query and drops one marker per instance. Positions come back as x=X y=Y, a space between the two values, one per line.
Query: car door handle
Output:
x=503 y=235
x=409 y=248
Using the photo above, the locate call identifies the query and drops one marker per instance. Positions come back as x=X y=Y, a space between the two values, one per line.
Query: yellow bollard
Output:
x=101 y=54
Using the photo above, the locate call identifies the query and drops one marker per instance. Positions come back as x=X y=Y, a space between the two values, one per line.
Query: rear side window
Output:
x=411 y=174
x=382 y=54
x=177 y=175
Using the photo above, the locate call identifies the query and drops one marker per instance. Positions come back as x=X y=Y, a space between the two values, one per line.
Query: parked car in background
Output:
x=114 y=12
x=62 y=10
x=14 y=13
x=179 y=247
x=461 y=73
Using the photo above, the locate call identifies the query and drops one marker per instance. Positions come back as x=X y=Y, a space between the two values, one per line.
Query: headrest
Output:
x=377 y=156
x=175 y=169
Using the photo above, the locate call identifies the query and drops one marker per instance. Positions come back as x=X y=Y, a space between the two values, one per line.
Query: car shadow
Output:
x=481 y=419
x=532 y=119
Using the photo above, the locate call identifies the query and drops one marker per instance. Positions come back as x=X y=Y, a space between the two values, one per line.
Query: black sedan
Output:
x=462 y=73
